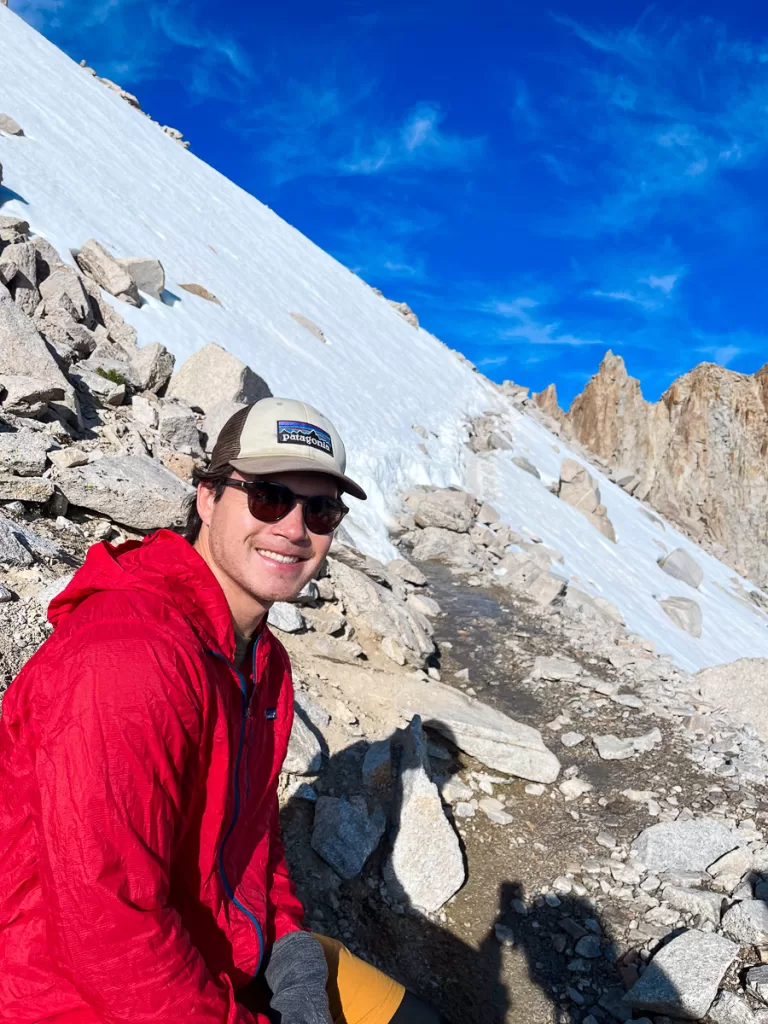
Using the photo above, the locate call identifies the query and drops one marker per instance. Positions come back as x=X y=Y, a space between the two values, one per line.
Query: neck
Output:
x=246 y=611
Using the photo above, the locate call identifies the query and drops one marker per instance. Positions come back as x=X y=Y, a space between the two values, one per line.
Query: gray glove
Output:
x=297 y=974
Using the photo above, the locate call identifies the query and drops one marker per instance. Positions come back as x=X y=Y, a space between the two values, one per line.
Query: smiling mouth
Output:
x=275 y=557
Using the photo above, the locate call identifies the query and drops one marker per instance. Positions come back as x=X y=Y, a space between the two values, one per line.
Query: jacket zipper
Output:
x=245 y=704
x=249 y=718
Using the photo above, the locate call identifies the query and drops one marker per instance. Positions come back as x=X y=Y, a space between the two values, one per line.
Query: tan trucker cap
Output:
x=278 y=435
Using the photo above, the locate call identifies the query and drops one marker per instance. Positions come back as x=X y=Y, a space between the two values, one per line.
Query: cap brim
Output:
x=269 y=465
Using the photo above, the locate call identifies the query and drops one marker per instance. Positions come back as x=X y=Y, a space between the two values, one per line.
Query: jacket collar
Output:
x=166 y=565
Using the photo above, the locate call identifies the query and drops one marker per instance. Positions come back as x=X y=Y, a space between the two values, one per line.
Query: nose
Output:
x=292 y=527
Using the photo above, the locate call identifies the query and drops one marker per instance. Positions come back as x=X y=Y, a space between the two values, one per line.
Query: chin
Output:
x=286 y=592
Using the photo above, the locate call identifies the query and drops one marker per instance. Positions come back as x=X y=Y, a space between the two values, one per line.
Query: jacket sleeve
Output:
x=110 y=771
x=284 y=910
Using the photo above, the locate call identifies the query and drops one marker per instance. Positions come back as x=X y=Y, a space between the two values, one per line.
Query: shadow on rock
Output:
x=568 y=952
x=559 y=954
x=7 y=194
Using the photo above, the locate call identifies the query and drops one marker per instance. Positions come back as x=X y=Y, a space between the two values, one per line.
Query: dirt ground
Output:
x=456 y=960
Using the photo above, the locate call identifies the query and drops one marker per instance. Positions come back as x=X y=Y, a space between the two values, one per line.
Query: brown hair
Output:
x=215 y=480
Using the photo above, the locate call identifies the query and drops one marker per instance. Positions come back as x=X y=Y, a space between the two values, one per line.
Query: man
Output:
x=142 y=876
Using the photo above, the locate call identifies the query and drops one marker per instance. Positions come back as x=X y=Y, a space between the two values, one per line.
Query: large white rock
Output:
x=18 y=268
x=376 y=609
x=23 y=452
x=150 y=367
x=435 y=544
x=286 y=617
x=684 y=845
x=685 y=613
x=425 y=866
x=479 y=730
x=147 y=274
x=102 y=268
x=579 y=489
x=729 y=1008
x=177 y=427
x=8 y=126
x=747 y=923
x=445 y=509
x=683 y=978
x=741 y=687
x=23 y=353
x=708 y=906
x=305 y=755
x=212 y=375
x=64 y=288
x=729 y=869
x=12 y=550
x=682 y=566
x=130 y=489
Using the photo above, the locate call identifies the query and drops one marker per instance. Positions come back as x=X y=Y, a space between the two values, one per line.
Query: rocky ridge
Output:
x=697 y=455
x=129 y=98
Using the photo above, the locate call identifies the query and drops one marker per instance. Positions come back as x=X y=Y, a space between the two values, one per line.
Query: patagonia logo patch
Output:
x=293 y=432
x=270 y=714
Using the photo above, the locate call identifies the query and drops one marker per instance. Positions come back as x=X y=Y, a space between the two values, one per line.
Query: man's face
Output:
x=268 y=561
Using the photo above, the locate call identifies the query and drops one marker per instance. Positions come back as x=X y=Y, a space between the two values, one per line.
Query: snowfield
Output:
x=90 y=165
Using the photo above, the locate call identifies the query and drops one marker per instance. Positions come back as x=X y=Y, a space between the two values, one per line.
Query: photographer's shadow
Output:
x=466 y=983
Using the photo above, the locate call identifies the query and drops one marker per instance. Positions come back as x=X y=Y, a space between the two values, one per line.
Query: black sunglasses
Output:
x=270 y=502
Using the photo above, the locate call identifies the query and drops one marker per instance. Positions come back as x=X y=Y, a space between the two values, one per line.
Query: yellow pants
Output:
x=357 y=992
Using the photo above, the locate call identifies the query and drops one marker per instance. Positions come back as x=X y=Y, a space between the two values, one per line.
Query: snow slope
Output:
x=91 y=166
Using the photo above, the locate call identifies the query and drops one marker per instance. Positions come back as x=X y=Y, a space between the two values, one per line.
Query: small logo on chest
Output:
x=270 y=714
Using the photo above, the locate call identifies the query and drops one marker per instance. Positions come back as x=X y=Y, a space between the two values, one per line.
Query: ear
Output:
x=206 y=498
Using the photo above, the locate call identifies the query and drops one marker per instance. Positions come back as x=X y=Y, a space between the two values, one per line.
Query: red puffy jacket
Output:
x=142 y=874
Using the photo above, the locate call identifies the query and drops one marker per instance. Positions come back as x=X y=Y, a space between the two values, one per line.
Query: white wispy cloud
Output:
x=335 y=128
x=665 y=284
x=652 y=293
x=651 y=127
x=532 y=328
x=749 y=348
x=726 y=354
x=631 y=297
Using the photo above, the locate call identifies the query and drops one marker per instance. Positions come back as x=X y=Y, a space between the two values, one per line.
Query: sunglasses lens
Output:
x=269 y=502
x=322 y=515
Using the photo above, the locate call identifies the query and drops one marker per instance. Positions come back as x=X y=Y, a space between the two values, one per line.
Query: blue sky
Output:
x=540 y=183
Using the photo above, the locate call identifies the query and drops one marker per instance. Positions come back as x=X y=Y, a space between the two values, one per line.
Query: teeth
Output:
x=276 y=557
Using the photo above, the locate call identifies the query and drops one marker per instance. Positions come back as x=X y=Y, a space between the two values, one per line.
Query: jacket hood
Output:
x=165 y=565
